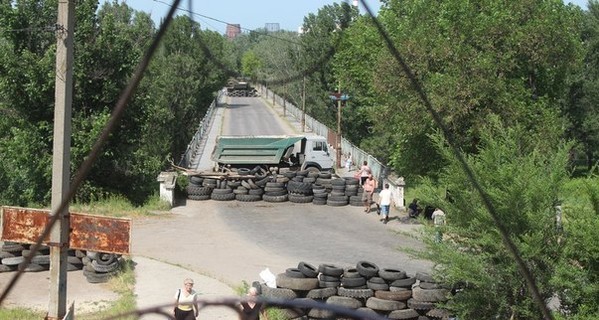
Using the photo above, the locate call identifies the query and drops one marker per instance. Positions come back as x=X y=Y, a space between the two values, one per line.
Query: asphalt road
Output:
x=233 y=241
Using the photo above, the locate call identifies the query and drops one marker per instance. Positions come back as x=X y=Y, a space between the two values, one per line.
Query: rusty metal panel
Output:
x=23 y=224
x=100 y=233
x=88 y=232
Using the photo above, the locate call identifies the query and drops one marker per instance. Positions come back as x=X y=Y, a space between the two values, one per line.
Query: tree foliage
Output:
x=109 y=42
x=524 y=183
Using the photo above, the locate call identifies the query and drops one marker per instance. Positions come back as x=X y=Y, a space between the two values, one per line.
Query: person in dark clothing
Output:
x=414 y=209
x=251 y=308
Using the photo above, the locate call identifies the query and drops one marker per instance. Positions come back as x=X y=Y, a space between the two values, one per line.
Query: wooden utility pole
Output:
x=61 y=158
x=304 y=106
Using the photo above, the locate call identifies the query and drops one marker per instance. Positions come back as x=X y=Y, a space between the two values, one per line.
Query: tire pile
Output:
x=319 y=188
x=97 y=267
x=365 y=287
x=243 y=93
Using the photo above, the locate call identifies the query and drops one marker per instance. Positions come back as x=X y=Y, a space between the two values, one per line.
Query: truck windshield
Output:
x=319 y=146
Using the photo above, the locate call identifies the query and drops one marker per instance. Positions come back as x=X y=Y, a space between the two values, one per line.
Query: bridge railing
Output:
x=357 y=155
x=193 y=152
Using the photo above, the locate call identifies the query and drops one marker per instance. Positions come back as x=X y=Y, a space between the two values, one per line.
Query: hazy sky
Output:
x=251 y=14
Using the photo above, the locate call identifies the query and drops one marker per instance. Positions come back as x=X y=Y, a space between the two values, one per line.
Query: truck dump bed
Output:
x=252 y=149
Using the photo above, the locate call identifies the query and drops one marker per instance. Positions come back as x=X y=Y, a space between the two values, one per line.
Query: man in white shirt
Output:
x=385 y=202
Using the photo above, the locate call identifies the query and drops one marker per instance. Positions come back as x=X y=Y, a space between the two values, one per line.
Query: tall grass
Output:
x=119 y=206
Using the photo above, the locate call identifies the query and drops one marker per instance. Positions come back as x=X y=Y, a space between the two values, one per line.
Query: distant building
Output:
x=272 y=27
x=233 y=30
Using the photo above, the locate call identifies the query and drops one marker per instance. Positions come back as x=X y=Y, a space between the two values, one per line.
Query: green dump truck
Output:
x=299 y=152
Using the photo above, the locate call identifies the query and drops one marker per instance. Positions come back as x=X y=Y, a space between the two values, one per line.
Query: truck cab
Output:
x=315 y=154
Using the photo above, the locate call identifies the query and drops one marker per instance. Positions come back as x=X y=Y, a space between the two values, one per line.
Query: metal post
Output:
x=338 y=146
x=59 y=236
x=304 y=106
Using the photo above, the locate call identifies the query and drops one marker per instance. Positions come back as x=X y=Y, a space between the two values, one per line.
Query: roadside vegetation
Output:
x=514 y=85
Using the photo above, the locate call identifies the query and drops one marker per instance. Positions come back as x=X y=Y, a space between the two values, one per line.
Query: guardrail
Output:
x=192 y=154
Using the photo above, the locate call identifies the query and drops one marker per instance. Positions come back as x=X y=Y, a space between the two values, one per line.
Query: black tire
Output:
x=420 y=305
x=351 y=273
x=13 y=261
x=198 y=198
x=41 y=259
x=324 y=277
x=355 y=293
x=378 y=280
x=94 y=277
x=377 y=286
x=222 y=191
x=80 y=253
x=404 y=283
x=300 y=198
x=243 y=171
x=262 y=182
x=429 y=295
x=324 y=175
x=307 y=270
x=274 y=189
x=351 y=181
x=269 y=198
x=403 y=314
x=394 y=295
x=5 y=254
x=353 y=282
x=257 y=192
x=424 y=277
x=294 y=273
x=247 y=197
x=384 y=305
x=330 y=270
x=105 y=258
x=336 y=203
x=222 y=197
x=253 y=184
x=105 y=267
x=13 y=247
x=429 y=285
x=347 y=302
x=319 y=202
x=195 y=180
x=241 y=190
x=299 y=284
x=392 y=274
x=280 y=293
x=333 y=197
x=367 y=269
x=329 y=284
x=276 y=193
x=275 y=185
x=321 y=293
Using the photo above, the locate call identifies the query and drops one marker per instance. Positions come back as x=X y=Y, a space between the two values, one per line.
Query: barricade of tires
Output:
x=319 y=188
x=387 y=292
x=97 y=267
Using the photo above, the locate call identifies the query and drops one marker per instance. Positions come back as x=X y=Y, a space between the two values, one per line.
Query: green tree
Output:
x=250 y=65
x=523 y=182
x=471 y=61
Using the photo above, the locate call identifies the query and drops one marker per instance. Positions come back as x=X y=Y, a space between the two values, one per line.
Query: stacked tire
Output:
x=337 y=195
x=275 y=192
x=305 y=186
x=99 y=267
x=386 y=292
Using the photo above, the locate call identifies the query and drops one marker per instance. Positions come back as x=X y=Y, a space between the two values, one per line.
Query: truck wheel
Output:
x=222 y=196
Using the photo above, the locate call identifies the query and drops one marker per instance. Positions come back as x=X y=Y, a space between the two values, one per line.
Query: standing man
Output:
x=364 y=172
x=369 y=185
x=385 y=202
x=438 y=217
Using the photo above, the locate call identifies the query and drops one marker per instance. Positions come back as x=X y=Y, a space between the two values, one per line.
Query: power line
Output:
x=228 y=23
